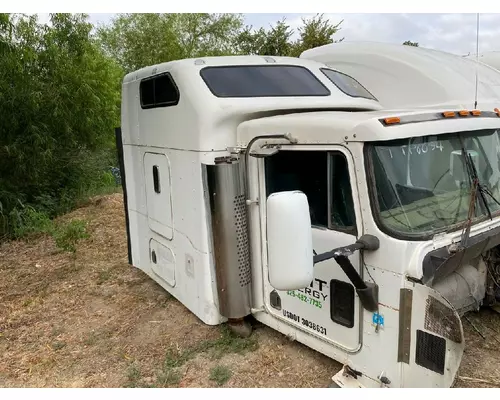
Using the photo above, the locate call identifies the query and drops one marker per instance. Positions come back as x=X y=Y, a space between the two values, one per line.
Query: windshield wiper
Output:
x=483 y=189
x=476 y=188
x=487 y=191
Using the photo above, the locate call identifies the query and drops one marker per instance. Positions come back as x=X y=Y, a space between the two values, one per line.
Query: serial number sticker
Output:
x=305 y=322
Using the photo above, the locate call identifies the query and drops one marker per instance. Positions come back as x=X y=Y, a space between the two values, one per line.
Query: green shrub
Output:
x=27 y=222
x=220 y=374
x=68 y=235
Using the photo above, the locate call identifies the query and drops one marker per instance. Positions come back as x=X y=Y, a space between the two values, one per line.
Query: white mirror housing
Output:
x=289 y=241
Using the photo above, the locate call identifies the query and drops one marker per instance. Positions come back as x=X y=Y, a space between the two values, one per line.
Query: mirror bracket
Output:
x=367 y=291
x=369 y=296
x=267 y=151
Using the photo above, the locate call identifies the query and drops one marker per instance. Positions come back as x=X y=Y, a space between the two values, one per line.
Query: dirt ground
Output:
x=91 y=320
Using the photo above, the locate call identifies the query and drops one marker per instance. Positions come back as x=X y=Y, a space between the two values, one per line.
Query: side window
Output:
x=306 y=171
x=342 y=214
x=159 y=91
x=323 y=177
x=347 y=84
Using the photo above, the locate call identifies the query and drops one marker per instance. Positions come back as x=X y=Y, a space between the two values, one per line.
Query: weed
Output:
x=230 y=343
x=28 y=222
x=227 y=343
x=168 y=377
x=91 y=339
x=58 y=345
x=133 y=375
x=134 y=378
x=176 y=360
x=66 y=270
x=28 y=302
x=56 y=331
x=101 y=335
x=220 y=374
x=104 y=276
x=68 y=235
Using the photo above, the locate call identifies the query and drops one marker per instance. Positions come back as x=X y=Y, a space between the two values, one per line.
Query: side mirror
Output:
x=289 y=241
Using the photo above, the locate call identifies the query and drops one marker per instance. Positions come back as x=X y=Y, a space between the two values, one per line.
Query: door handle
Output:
x=156 y=178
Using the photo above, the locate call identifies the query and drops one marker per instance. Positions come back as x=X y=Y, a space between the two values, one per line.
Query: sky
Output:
x=454 y=33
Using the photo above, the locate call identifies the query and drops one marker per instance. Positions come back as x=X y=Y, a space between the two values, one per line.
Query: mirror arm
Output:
x=286 y=136
x=367 y=291
x=341 y=251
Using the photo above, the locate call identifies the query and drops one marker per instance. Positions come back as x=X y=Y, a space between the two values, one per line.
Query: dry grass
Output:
x=91 y=320
x=480 y=366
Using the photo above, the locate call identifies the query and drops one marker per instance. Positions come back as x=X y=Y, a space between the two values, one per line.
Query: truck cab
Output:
x=283 y=189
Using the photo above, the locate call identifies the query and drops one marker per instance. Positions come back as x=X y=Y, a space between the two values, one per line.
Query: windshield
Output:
x=422 y=184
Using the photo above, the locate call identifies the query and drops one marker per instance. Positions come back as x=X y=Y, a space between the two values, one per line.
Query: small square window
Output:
x=159 y=91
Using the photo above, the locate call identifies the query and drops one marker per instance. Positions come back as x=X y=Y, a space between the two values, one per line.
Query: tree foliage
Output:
x=138 y=40
x=315 y=32
x=278 y=39
x=59 y=102
x=275 y=41
x=60 y=94
x=410 y=43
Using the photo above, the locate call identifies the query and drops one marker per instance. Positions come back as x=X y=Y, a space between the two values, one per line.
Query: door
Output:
x=328 y=307
x=158 y=194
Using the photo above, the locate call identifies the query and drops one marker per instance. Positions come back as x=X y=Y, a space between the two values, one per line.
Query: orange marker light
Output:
x=449 y=114
x=476 y=112
x=392 y=120
x=463 y=113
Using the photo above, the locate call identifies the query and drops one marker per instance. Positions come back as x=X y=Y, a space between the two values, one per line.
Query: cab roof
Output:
x=187 y=73
x=337 y=127
x=203 y=119
x=408 y=76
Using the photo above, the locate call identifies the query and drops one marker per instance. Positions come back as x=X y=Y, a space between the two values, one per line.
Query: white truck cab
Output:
x=282 y=188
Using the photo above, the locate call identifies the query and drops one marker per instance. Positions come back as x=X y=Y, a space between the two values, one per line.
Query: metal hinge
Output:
x=225 y=160
x=236 y=150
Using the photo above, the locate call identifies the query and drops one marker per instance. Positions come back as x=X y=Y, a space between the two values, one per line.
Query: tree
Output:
x=5 y=32
x=59 y=102
x=410 y=43
x=315 y=32
x=138 y=40
x=273 y=42
x=277 y=41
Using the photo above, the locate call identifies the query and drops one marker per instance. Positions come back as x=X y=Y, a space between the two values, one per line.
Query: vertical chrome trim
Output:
x=230 y=240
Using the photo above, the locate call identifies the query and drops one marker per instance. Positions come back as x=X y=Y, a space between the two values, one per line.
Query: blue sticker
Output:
x=378 y=319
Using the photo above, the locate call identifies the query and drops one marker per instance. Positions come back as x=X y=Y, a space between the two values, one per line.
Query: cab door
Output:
x=329 y=307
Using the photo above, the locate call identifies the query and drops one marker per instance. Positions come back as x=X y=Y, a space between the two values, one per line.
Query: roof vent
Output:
x=269 y=59
x=199 y=62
